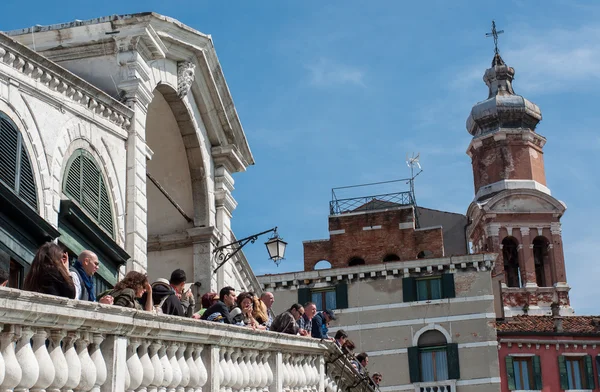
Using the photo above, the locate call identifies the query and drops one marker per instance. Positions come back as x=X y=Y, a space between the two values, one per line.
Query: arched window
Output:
x=433 y=356
x=355 y=261
x=510 y=254
x=391 y=257
x=15 y=167
x=323 y=264
x=540 y=258
x=425 y=254
x=83 y=183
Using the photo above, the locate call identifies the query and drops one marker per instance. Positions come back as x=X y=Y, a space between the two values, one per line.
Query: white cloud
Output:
x=325 y=72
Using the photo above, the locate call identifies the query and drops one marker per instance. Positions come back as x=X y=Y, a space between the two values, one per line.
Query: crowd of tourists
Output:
x=51 y=273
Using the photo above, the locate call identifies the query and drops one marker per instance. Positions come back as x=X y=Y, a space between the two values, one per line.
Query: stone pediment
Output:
x=524 y=201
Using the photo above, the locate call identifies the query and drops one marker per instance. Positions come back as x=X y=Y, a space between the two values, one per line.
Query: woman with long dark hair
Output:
x=132 y=287
x=48 y=274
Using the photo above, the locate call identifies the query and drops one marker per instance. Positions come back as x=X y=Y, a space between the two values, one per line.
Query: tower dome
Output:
x=503 y=109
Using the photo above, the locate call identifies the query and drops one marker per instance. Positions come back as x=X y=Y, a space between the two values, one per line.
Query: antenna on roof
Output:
x=413 y=162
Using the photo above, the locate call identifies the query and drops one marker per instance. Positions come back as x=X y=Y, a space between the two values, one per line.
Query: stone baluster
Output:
x=148 y=368
x=27 y=360
x=203 y=374
x=171 y=353
x=308 y=369
x=316 y=374
x=158 y=372
x=134 y=365
x=270 y=375
x=98 y=360
x=262 y=373
x=255 y=376
x=167 y=369
x=185 y=369
x=194 y=376
x=2 y=365
x=47 y=372
x=235 y=379
x=286 y=371
x=61 y=368
x=88 y=368
x=73 y=362
x=245 y=371
x=12 y=369
x=221 y=366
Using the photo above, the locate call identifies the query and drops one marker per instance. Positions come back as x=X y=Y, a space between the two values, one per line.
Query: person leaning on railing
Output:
x=48 y=274
x=128 y=290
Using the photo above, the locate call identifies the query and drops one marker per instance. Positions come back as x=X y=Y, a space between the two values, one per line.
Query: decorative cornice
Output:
x=185 y=77
x=58 y=79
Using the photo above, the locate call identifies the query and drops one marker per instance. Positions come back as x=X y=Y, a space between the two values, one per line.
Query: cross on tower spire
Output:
x=494 y=34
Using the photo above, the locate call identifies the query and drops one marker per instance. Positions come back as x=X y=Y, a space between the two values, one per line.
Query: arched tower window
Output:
x=15 y=167
x=540 y=257
x=391 y=257
x=510 y=255
x=425 y=254
x=433 y=356
x=355 y=261
x=83 y=183
x=323 y=264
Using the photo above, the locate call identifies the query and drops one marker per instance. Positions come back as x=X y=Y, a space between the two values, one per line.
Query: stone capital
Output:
x=492 y=229
x=555 y=228
x=524 y=231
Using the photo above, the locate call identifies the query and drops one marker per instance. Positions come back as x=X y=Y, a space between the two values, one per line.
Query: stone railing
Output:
x=436 y=386
x=54 y=344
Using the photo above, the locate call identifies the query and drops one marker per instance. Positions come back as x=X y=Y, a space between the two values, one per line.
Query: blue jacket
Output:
x=319 y=327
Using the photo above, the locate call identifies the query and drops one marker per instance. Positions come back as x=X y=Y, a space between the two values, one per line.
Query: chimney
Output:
x=558 y=320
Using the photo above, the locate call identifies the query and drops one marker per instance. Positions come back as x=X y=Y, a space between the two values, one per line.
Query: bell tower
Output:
x=513 y=213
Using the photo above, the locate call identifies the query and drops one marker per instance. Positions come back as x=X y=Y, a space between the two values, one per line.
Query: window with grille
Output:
x=15 y=167
x=83 y=183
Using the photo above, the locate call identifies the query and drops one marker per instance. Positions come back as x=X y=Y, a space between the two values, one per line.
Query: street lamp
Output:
x=275 y=247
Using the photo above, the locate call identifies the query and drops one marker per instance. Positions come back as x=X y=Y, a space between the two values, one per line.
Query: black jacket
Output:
x=54 y=283
x=222 y=309
x=172 y=304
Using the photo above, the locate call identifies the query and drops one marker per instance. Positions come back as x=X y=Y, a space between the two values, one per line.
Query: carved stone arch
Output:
x=540 y=202
x=29 y=130
x=431 y=327
x=72 y=140
x=196 y=158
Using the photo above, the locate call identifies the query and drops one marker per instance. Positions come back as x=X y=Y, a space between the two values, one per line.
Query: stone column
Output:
x=204 y=240
x=494 y=245
x=558 y=253
x=526 y=259
x=210 y=357
x=137 y=96
x=225 y=204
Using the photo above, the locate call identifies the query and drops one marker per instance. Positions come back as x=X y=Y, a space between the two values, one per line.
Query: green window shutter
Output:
x=510 y=373
x=303 y=296
x=537 y=372
x=562 y=370
x=26 y=184
x=414 y=366
x=598 y=367
x=341 y=295
x=448 y=290
x=453 y=362
x=409 y=289
x=589 y=372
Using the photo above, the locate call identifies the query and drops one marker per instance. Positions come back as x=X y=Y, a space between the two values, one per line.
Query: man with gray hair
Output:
x=82 y=273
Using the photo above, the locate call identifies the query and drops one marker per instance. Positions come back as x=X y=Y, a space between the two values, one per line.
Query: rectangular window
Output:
x=575 y=373
x=15 y=279
x=324 y=299
x=523 y=368
x=434 y=364
x=429 y=288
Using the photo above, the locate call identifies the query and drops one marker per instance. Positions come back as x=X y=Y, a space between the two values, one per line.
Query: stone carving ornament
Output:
x=185 y=77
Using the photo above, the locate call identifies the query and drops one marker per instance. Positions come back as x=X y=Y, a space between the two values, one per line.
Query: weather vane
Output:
x=494 y=34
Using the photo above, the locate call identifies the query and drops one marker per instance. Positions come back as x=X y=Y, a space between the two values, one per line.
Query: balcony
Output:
x=437 y=386
x=58 y=345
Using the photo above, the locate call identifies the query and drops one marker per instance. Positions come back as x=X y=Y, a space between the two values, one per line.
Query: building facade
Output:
x=426 y=321
x=120 y=136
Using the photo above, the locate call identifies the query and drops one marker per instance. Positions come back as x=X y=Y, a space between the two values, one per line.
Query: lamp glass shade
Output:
x=276 y=248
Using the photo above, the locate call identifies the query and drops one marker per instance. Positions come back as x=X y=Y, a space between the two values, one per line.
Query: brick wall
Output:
x=372 y=236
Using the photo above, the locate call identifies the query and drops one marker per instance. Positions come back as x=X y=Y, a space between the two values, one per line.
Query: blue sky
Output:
x=337 y=93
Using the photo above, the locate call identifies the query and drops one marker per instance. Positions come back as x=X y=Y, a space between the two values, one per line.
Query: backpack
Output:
x=158 y=308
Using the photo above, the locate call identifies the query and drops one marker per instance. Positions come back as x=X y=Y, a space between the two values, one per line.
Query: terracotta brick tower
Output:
x=513 y=213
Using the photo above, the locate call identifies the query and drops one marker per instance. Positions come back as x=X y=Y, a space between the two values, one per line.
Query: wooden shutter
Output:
x=341 y=296
x=562 y=370
x=26 y=183
x=409 y=289
x=589 y=372
x=414 y=366
x=448 y=290
x=453 y=362
x=537 y=372
x=85 y=185
x=303 y=296
x=510 y=373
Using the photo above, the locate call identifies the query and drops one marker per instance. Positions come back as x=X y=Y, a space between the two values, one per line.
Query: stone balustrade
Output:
x=52 y=344
x=436 y=386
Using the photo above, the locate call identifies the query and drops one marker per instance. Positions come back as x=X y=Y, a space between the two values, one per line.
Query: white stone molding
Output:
x=431 y=327
x=492 y=229
x=52 y=76
x=556 y=228
x=185 y=77
x=524 y=231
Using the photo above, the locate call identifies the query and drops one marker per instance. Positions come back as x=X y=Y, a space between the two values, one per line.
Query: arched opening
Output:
x=433 y=356
x=424 y=254
x=175 y=185
x=391 y=257
x=510 y=255
x=540 y=258
x=323 y=264
x=355 y=261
